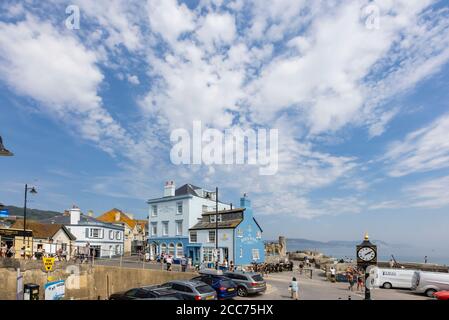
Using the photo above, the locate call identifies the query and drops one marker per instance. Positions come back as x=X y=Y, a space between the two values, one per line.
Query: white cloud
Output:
x=423 y=150
x=133 y=79
x=169 y=19
x=432 y=193
x=39 y=62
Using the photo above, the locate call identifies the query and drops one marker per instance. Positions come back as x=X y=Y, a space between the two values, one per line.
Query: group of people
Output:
x=6 y=252
x=355 y=276
x=266 y=268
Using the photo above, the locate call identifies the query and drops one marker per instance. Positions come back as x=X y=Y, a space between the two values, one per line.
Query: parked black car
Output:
x=147 y=293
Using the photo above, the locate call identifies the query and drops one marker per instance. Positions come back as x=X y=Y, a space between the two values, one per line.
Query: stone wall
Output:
x=85 y=281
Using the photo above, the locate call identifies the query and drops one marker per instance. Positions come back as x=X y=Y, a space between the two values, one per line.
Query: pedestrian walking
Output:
x=28 y=252
x=183 y=264
x=294 y=289
x=11 y=252
x=360 y=279
x=169 y=261
x=350 y=278
x=333 y=274
x=231 y=265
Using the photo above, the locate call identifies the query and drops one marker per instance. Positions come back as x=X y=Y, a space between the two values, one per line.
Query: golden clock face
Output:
x=366 y=254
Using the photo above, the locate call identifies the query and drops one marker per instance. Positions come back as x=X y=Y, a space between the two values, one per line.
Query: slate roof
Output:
x=187 y=189
x=43 y=230
x=84 y=220
x=228 y=224
x=232 y=221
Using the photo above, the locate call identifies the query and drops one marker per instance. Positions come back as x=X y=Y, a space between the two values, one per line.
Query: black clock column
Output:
x=364 y=263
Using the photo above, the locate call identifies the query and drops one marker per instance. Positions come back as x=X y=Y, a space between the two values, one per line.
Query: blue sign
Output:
x=55 y=290
x=4 y=213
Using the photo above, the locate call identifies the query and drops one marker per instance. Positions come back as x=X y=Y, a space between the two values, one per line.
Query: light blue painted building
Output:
x=239 y=236
x=171 y=216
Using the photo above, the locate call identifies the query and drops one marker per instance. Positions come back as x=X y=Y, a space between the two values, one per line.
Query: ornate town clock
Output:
x=366 y=253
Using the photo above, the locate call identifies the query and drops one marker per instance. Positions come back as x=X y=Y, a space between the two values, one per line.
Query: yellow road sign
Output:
x=48 y=263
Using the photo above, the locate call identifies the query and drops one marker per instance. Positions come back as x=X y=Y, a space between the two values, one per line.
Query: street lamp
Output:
x=3 y=151
x=216 y=227
x=31 y=190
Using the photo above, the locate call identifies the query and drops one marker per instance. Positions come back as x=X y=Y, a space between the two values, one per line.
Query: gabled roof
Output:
x=110 y=215
x=43 y=230
x=187 y=189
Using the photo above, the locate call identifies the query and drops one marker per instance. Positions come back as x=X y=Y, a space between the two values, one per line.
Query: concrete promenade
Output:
x=318 y=288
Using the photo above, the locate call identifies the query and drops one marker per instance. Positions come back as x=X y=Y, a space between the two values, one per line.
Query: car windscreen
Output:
x=226 y=283
x=204 y=289
x=257 y=277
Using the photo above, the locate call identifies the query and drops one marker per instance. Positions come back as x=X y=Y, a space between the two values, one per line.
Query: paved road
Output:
x=318 y=288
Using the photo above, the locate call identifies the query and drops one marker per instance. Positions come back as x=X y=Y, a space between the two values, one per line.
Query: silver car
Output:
x=192 y=289
x=247 y=282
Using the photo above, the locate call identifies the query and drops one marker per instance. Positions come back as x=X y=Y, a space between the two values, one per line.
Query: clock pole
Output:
x=366 y=256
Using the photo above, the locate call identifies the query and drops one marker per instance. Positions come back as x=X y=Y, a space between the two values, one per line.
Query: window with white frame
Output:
x=179 y=207
x=212 y=218
x=165 y=228
x=179 y=228
x=171 y=249
x=256 y=255
x=193 y=237
x=179 y=250
x=95 y=233
x=118 y=235
x=258 y=235
x=241 y=252
x=220 y=218
x=154 y=210
x=163 y=248
x=208 y=254
x=211 y=236
x=154 y=229
x=111 y=235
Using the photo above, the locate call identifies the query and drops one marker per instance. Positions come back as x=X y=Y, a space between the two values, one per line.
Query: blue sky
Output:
x=357 y=89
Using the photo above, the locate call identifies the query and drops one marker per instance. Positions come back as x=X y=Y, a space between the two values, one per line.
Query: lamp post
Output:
x=31 y=190
x=3 y=151
x=216 y=227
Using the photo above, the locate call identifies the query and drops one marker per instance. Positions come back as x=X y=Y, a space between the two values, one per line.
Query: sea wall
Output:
x=86 y=282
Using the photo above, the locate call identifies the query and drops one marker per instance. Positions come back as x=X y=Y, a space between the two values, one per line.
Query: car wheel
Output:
x=387 y=285
x=430 y=292
x=242 y=292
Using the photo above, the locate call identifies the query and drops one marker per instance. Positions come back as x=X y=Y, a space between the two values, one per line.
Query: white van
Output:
x=430 y=282
x=392 y=278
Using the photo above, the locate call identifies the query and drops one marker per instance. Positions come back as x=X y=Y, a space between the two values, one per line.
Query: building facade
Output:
x=171 y=217
x=135 y=235
x=239 y=236
x=103 y=239
x=49 y=238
